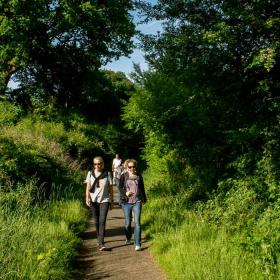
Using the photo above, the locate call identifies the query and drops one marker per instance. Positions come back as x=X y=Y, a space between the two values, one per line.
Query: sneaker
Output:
x=102 y=248
x=137 y=248
x=128 y=242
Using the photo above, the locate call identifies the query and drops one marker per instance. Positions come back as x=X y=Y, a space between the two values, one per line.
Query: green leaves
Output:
x=9 y=113
x=219 y=62
x=265 y=59
x=55 y=48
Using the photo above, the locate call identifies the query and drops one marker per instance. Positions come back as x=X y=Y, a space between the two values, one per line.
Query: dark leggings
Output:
x=99 y=213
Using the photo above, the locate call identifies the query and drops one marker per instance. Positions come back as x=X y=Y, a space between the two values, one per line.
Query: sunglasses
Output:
x=99 y=163
x=131 y=166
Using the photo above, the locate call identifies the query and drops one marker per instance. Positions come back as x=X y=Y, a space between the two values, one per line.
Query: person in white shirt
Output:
x=99 y=196
x=117 y=170
x=117 y=161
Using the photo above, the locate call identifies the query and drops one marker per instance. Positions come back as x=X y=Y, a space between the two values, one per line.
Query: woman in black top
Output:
x=133 y=195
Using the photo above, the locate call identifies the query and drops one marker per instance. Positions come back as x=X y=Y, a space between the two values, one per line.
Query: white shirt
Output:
x=117 y=162
x=100 y=194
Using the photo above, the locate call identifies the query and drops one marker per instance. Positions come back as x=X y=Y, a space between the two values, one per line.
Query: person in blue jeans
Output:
x=133 y=196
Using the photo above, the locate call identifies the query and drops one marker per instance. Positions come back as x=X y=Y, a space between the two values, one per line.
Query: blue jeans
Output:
x=136 y=208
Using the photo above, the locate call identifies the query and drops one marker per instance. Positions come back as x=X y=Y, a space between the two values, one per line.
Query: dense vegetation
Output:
x=62 y=111
x=44 y=155
x=209 y=111
x=207 y=115
x=40 y=209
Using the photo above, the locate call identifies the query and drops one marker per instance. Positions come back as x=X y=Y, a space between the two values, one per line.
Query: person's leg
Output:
x=104 y=207
x=127 y=209
x=95 y=214
x=137 y=207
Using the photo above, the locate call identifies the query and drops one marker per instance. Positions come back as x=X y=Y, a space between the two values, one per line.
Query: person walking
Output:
x=99 y=196
x=133 y=196
x=117 y=176
x=117 y=169
x=117 y=161
x=125 y=169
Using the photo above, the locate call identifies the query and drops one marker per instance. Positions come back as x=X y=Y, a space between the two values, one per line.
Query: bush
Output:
x=9 y=113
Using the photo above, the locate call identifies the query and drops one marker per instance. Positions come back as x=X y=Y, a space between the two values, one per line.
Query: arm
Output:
x=121 y=185
x=143 y=189
x=113 y=165
x=88 y=182
x=88 y=200
x=111 y=194
x=111 y=190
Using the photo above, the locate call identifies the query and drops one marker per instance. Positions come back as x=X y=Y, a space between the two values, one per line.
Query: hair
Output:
x=133 y=161
x=98 y=158
x=125 y=163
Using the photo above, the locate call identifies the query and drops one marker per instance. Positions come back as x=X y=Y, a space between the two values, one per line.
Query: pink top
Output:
x=132 y=186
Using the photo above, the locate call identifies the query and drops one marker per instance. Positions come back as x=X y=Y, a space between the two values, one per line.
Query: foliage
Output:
x=209 y=111
x=220 y=60
x=22 y=158
x=212 y=93
x=9 y=113
x=170 y=214
x=34 y=245
x=55 y=48
x=183 y=151
x=40 y=196
x=197 y=250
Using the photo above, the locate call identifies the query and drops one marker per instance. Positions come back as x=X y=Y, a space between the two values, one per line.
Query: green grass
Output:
x=41 y=211
x=197 y=251
x=188 y=247
x=40 y=242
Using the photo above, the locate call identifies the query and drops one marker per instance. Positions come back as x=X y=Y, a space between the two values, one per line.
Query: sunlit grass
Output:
x=40 y=242
x=187 y=247
x=197 y=251
x=39 y=226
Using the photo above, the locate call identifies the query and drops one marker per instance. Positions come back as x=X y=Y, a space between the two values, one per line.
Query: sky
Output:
x=125 y=64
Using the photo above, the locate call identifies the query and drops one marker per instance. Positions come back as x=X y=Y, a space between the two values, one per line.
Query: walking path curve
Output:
x=120 y=262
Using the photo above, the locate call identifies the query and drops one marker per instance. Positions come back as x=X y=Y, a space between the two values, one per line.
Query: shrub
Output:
x=9 y=113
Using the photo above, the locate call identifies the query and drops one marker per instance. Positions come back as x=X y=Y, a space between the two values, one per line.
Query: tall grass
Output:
x=188 y=247
x=197 y=251
x=41 y=214
x=39 y=241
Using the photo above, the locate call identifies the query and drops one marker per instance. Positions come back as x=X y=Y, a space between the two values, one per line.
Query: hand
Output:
x=88 y=202
x=128 y=194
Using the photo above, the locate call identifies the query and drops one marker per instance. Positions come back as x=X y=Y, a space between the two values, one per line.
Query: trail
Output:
x=120 y=262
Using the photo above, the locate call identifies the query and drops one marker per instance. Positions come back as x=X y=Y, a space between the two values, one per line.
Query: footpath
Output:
x=120 y=262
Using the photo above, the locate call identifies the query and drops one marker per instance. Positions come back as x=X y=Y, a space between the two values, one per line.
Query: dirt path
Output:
x=120 y=262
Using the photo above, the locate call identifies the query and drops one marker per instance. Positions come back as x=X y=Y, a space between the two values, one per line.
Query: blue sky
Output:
x=125 y=64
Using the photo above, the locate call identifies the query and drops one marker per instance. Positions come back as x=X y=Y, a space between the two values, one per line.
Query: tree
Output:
x=58 y=46
x=111 y=91
x=214 y=92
